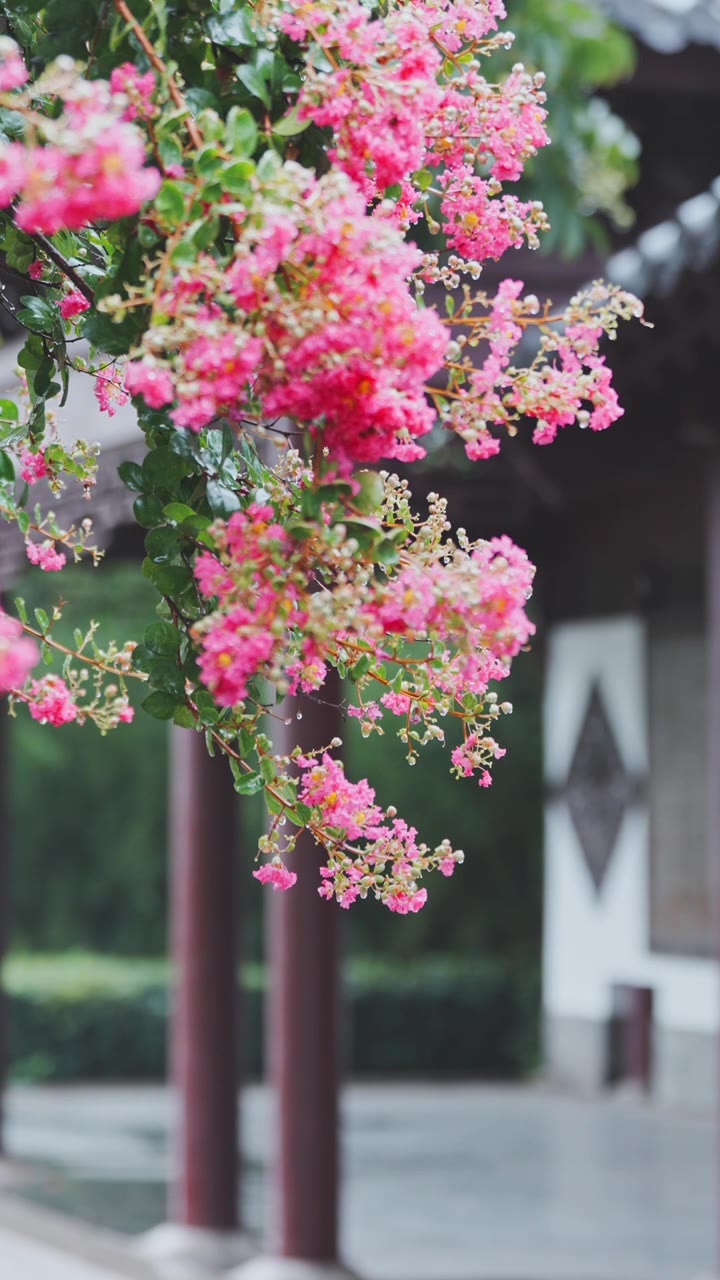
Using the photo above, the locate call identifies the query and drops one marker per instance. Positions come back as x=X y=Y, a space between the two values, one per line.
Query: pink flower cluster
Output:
x=13 y=72
x=51 y=702
x=240 y=639
x=555 y=394
x=137 y=87
x=476 y=225
x=466 y=602
x=276 y=874
x=91 y=168
x=72 y=304
x=371 y=851
x=566 y=382
x=345 y=347
x=395 y=112
x=18 y=654
x=45 y=555
x=110 y=391
x=33 y=466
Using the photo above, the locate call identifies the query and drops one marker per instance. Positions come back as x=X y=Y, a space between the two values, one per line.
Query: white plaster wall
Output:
x=592 y=939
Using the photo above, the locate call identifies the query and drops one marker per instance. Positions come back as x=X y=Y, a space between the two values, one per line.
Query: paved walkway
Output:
x=441 y=1183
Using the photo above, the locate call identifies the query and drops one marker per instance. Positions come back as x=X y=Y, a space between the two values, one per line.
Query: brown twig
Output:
x=61 y=262
x=81 y=657
x=154 y=57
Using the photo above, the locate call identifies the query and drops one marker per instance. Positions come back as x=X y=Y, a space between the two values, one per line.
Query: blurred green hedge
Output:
x=82 y=1016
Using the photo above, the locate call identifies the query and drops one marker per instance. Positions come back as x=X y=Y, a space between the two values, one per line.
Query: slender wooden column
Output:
x=203 y=1034
x=713 y=771
x=4 y=879
x=303 y=1028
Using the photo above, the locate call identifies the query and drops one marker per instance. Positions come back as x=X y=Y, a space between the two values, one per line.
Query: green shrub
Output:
x=82 y=1016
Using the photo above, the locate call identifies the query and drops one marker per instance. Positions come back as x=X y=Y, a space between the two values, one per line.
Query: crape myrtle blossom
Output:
x=239 y=294
x=110 y=391
x=33 y=466
x=371 y=851
x=466 y=601
x=45 y=556
x=13 y=72
x=51 y=702
x=18 y=654
x=90 y=165
x=312 y=318
x=73 y=304
x=138 y=88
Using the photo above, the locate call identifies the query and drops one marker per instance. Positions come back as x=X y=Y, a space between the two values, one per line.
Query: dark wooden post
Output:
x=203 y=1032
x=4 y=878
x=303 y=1027
x=713 y=770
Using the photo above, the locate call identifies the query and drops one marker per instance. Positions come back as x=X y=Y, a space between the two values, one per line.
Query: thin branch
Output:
x=61 y=262
x=154 y=57
x=81 y=657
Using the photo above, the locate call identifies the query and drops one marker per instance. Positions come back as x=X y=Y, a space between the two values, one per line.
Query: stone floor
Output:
x=462 y=1182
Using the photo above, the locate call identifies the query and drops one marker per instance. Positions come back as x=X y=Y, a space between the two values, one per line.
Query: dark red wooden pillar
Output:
x=303 y=1026
x=713 y=771
x=4 y=885
x=203 y=1034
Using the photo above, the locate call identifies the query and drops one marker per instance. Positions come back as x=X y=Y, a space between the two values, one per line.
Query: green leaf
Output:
x=42 y=620
x=170 y=203
x=387 y=553
x=162 y=468
x=249 y=783
x=236 y=177
x=32 y=354
x=223 y=501
x=170 y=579
x=273 y=804
x=365 y=532
x=310 y=503
x=290 y=125
x=177 y=512
x=7 y=470
x=162 y=637
x=38 y=313
x=142 y=658
x=148 y=511
x=9 y=411
x=166 y=677
x=300 y=814
x=132 y=476
x=114 y=339
x=255 y=84
x=163 y=544
x=371 y=492
x=160 y=705
x=241 y=133
x=184 y=718
x=232 y=29
x=170 y=151
x=267 y=769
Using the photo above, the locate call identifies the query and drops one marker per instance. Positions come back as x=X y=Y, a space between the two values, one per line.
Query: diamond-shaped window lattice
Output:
x=598 y=789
